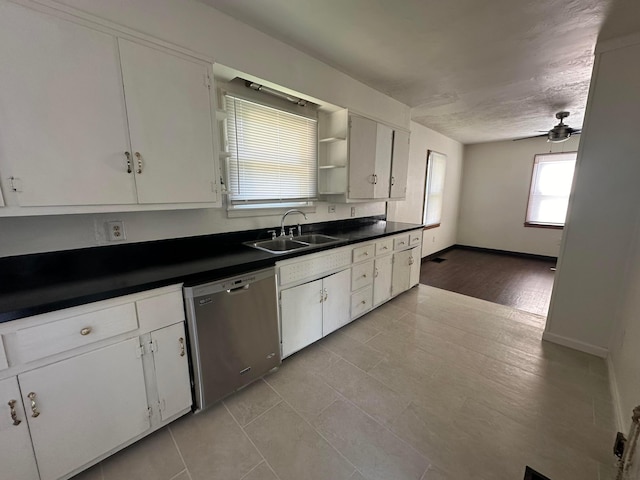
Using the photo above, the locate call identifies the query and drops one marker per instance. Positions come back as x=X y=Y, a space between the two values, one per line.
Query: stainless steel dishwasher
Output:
x=233 y=329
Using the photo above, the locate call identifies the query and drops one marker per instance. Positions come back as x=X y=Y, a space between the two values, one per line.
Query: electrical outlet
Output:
x=115 y=231
x=353 y=211
x=332 y=209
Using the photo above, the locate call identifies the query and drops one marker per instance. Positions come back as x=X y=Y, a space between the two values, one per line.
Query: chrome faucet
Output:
x=282 y=233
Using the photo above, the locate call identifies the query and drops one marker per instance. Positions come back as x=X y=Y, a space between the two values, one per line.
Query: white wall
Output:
x=605 y=203
x=495 y=190
x=410 y=210
x=204 y=30
x=624 y=361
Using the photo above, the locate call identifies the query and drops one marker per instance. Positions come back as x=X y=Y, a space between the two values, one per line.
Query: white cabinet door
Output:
x=172 y=370
x=336 y=301
x=62 y=113
x=399 y=165
x=169 y=111
x=301 y=316
x=401 y=272
x=414 y=267
x=382 y=279
x=382 y=170
x=362 y=156
x=87 y=405
x=16 y=452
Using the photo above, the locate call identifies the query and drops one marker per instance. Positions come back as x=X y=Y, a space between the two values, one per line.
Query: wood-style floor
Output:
x=522 y=283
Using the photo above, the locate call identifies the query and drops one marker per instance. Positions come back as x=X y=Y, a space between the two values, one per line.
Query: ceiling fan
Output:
x=560 y=132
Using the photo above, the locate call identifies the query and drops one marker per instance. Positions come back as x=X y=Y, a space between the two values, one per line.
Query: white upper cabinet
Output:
x=376 y=157
x=62 y=113
x=169 y=111
x=91 y=119
x=399 y=165
x=362 y=156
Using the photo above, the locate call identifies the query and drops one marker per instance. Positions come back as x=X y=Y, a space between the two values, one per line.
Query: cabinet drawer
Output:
x=415 y=238
x=384 y=246
x=361 y=302
x=3 y=356
x=363 y=253
x=401 y=242
x=160 y=311
x=361 y=275
x=56 y=337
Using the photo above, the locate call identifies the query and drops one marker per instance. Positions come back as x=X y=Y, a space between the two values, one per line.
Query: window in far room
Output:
x=434 y=189
x=550 y=188
x=272 y=156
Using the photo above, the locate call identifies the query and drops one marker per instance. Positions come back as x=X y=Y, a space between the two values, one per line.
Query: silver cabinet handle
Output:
x=410 y=260
x=375 y=179
x=139 y=158
x=85 y=331
x=393 y=181
x=34 y=407
x=14 y=415
x=375 y=274
x=322 y=295
x=401 y=243
x=326 y=294
x=128 y=155
x=181 y=342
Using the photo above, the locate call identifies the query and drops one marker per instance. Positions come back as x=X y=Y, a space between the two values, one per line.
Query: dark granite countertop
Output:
x=44 y=282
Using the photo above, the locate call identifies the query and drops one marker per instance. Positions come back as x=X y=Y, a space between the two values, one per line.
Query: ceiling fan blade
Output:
x=534 y=136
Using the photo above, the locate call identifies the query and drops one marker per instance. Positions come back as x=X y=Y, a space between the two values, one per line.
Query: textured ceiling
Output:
x=475 y=71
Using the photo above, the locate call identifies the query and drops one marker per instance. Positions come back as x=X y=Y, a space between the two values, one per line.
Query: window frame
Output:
x=551 y=226
x=426 y=188
x=258 y=208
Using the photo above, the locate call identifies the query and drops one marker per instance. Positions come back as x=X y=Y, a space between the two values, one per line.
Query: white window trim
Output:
x=536 y=161
x=433 y=158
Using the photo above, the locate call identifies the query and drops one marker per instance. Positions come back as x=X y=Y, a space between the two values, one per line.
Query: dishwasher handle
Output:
x=236 y=291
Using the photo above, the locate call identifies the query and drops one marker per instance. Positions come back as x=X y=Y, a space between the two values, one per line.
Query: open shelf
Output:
x=332 y=139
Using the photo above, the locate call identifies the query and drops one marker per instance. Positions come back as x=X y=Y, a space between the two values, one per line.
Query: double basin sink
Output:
x=290 y=244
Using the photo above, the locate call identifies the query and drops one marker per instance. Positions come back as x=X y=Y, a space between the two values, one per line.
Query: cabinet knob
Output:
x=363 y=302
x=14 y=415
x=181 y=342
x=128 y=155
x=139 y=158
x=34 y=407
x=410 y=260
x=85 y=331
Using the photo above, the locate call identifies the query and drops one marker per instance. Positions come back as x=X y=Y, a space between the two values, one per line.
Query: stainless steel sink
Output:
x=316 y=239
x=278 y=245
x=289 y=244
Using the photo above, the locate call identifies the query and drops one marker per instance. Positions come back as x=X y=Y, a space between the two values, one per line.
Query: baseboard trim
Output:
x=506 y=252
x=575 y=344
x=615 y=396
x=438 y=253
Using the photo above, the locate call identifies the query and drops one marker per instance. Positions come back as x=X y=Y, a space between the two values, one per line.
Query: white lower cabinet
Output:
x=16 y=452
x=301 y=316
x=382 y=279
x=113 y=371
x=406 y=270
x=336 y=301
x=83 y=407
x=171 y=368
x=312 y=310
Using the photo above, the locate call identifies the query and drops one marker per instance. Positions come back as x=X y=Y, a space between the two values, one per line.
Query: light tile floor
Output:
x=431 y=386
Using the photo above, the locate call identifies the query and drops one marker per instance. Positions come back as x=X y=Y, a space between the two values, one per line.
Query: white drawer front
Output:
x=361 y=302
x=361 y=275
x=415 y=238
x=384 y=246
x=363 y=253
x=160 y=311
x=313 y=267
x=401 y=242
x=62 y=335
x=3 y=356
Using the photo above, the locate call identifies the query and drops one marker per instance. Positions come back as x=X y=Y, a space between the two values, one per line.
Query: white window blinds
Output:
x=550 y=188
x=434 y=188
x=273 y=154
